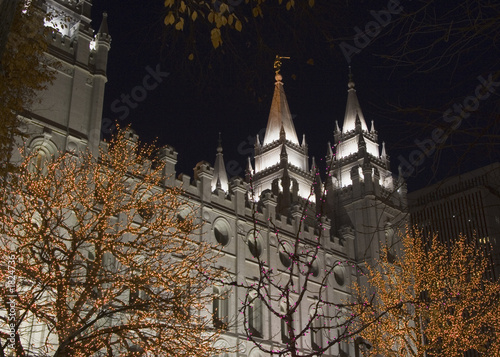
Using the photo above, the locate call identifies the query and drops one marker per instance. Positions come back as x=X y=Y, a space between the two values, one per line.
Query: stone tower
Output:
x=68 y=115
x=363 y=195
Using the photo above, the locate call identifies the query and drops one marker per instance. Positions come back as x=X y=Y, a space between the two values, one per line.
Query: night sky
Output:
x=229 y=90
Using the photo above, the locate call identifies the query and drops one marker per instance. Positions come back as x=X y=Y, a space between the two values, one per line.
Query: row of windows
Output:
x=254 y=320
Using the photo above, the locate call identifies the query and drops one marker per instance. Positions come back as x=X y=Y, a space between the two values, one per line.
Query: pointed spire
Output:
x=249 y=165
x=337 y=129
x=279 y=115
x=249 y=170
x=353 y=109
x=329 y=152
x=304 y=140
x=104 y=24
x=283 y=154
x=372 y=130
x=282 y=133
x=313 y=165
x=358 y=124
x=361 y=143
x=384 y=154
x=220 y=176
x=103 y=33
x=257 y=140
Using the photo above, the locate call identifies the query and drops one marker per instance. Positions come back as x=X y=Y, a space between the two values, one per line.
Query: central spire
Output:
x=353 y=109
x=279 y=116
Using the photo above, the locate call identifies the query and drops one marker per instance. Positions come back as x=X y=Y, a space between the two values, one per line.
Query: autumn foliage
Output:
x=434 y=300
x=105 y=264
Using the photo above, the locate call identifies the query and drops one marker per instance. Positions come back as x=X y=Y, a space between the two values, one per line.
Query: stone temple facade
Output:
x=364 y=203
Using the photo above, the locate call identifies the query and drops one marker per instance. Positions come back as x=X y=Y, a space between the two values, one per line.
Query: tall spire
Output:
x=103 y=29
x=353 y=109
x=220 y=176
x=279 y=114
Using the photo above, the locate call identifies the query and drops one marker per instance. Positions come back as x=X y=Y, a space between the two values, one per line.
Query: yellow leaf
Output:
x=230 y=19
x=238 y=25
x=280 y=2
x=169 y=3
x=182 y=8
x=215 y=36
x=191 y=56
x=311 y=3
x=223 y=8
x=194 y=16
x=180 y=25
x=310 y=61
x=169 y=19
x=255 y=12
x=211 y=17
x=218 y=20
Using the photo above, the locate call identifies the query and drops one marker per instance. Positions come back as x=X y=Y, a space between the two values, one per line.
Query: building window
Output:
x=220 y=307
x=284 y=326
x=338 y=273
x=43 y=150
x=255 y=315
x=254 y=244
x=222 y=231
x=285 y=254
x=316 y=329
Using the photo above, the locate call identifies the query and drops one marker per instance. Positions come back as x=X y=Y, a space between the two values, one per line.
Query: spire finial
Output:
x=219 y=144
x=350 y=85
x=277 y=67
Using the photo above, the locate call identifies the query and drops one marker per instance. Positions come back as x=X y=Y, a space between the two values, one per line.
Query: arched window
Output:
x=255 y=315
x=284 y=325
x=220 y=308
x=43 y=150
x=390 y=242
x=317 y=317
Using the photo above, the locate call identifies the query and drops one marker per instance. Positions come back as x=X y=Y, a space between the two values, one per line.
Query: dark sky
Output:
x=229 y=90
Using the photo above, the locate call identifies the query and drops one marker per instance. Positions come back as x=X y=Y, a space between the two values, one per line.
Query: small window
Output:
x=254 y=244
x=255 y=316
x=338 y=273
x=43 y=150
x=285 y=252
x=316 y=328
x=220 y=307
x=222 y=231
x=315 y=268
x=284 y=326
x=184 y=222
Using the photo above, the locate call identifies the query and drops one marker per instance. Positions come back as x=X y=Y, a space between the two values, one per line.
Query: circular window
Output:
x=285 y=257
x=183 y=213
x=338 y=273
x=254 y=244
x=221 y=232
x=315 y=268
